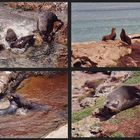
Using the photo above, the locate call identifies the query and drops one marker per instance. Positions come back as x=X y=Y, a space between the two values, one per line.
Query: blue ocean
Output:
x=90 y=21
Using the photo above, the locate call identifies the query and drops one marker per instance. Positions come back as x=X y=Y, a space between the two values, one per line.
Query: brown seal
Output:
x=23 y=41
x=10 y=36
x=125 y=38
x=45 y=25
x=123 y=98
x=111 y=36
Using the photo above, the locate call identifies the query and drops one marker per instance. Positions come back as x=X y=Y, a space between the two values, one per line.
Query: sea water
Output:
x=90 y=21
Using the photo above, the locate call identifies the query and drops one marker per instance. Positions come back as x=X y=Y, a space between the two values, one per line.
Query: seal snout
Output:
x=112 y=105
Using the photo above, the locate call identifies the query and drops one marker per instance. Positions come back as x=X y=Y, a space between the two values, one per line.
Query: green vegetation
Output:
x=77 y=116
x=82 y=114
x=127 y=114
x=114 y=121
x=134 y=79
x=117 y=134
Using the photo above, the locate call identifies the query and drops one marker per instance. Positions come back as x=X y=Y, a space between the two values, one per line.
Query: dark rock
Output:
x=2 y=47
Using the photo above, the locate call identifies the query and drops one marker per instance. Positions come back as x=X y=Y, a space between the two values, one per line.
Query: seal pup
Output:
x=23 y=42
x=45 y=25
x=10 y=36
x=111 y=36
x=122 y=98
x=125 y=38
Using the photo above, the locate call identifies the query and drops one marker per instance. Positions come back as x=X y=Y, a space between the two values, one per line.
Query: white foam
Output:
x=20 y=28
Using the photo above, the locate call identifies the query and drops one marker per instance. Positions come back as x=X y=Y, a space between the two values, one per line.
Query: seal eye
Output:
x=107 y=102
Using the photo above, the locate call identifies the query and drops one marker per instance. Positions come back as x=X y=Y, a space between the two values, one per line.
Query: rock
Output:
x=4 y=103
x=5 y=77
x=62 y=132
x=86 y=127
x=2 y=47
x=99 y=52
x=21 y=111
x=121 y=75
x=88 y=101
x=38 y=40
x=61 y=36
x=95 y=129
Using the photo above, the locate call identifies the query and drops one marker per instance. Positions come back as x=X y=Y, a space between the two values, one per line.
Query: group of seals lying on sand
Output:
x=47 y=25
x=124 y=37
x=18 y=102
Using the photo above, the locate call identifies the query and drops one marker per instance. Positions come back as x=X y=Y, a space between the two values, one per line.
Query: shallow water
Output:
x=48 y=91
x=90 y=21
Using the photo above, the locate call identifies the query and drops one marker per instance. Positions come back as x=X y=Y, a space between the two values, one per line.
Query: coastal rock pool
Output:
x=47 y=90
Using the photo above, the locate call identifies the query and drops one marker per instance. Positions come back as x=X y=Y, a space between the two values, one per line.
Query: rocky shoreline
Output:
x=41 y=54
x=106 y=53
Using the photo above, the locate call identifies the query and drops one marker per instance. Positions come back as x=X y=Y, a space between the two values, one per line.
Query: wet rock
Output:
x=5 y=76
x=21 y=111
x=38 y=40
x=61 y=36
x=4 y=103
x=18 y=51
x=4 y=79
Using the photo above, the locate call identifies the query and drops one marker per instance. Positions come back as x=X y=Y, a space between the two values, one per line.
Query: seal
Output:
x=23 y=42
x=123 y=98
x=11 y=109
x=111 y=36
x=22 y=103
x=45 y=25
x=125 y=38
x=10 y=36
